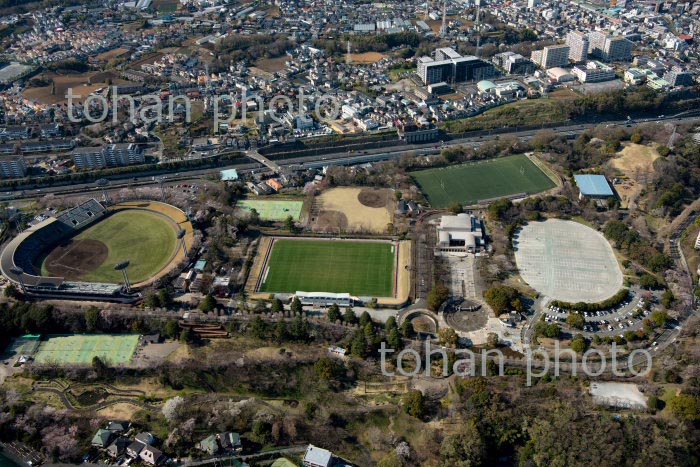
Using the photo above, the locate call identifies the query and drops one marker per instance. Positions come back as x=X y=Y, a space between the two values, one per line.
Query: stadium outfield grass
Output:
x=147 y=240
x=359 y=268
x=475 y=181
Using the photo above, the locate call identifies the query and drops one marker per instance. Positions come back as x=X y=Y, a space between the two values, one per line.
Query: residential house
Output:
x=102 y=438
x=118 y=446
x=151 y=455
x=134 y=449
x=317 y=457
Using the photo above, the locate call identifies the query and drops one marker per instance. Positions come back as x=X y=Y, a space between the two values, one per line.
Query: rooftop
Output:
x=593 y=185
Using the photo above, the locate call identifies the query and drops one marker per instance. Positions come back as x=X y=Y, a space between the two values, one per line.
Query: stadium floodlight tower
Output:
x=181 y=236
x=19 y=272
x=17 y=219
x=122 y=267
x=102 y=184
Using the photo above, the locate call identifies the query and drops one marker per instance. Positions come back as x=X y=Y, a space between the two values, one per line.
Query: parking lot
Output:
x=628 y=316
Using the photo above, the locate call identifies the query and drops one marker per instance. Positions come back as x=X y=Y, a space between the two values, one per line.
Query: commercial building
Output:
x=459 y=235
x=593 y=72
x=450 y=67
x=593 y=186
x=552 y=56
x=578 y=46
x=13 y=167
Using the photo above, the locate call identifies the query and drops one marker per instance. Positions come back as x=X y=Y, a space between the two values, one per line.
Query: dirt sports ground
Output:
x=355 y=210
x=635 y=163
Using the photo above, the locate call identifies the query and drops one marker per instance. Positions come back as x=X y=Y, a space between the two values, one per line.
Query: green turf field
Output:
x=272 y=210
x=81 y=348
x=359 y=268
x=146 y=239
x=469 y=183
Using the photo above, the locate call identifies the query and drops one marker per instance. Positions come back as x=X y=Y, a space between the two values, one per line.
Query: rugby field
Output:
x=361 y=268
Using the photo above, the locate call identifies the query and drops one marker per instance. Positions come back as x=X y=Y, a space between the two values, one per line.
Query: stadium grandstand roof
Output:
x=593 y=185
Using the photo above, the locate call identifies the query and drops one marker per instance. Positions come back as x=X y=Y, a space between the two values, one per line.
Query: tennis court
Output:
x=25 y=345
x=272 y=210
x=80 y=349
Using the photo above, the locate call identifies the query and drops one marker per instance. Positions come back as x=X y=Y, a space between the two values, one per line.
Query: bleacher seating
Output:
x=82 y=215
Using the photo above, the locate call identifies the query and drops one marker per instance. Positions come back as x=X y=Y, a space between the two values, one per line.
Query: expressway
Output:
x=338 y=158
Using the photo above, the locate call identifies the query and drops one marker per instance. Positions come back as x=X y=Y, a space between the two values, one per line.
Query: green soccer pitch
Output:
x=337 y=266
x=475 y=181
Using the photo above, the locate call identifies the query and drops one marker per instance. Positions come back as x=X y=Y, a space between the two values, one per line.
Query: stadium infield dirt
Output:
x=74 y=258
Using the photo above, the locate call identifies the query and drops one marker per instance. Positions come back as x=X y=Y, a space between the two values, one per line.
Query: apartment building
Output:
x=514 y=64
x=13 y=167
x=552 y=56
x=609 y=48
x=578 y=46
x=113 y=155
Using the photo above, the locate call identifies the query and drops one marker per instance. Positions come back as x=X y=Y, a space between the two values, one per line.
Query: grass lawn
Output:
x=80 y=349
x=475 y=181
x=359 y=268
x=145 y=239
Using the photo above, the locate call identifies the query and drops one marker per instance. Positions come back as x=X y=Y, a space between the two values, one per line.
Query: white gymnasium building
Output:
x=460 y=234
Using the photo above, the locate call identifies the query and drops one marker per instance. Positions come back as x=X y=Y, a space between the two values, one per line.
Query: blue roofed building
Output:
x=229 y=175
x=593 y=186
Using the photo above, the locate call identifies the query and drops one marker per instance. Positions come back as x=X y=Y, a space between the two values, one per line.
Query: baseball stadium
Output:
x=96 y=252
x=322 y=271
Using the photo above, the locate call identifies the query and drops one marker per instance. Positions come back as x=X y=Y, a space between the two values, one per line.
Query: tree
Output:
x=579 y=344
x=334 y=313
x=165 y=298
x=258 y=328
x=92 y=318
x=414 y=403
x=492 y=340
x=289 y=224
x=502 y=298
x=349 y=316
x=208 y=304
x=390 y=324
x=455 y=208
x=667 y=298
x=358 y=345
x=437 y=296
x=171 y=406
x=394 y=339
x=365 y=319
x=464 y=449
x=659 y=317
x=448 y=337
x=151 y=301
x=99 y=367
x=276 y=306
x=186 y=335
x=281 y=333
x=390 y=459
x=170 y=328
x=11 y=291
x=499 y=208
x=407 y=330
x=576 y=320
x=686 y=406
x=326 y=368
x=296 y=306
